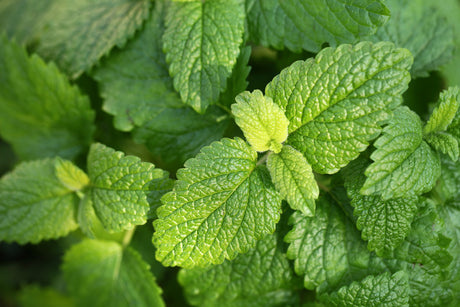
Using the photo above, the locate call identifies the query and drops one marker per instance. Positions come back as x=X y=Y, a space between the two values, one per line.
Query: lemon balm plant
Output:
x=334 y=184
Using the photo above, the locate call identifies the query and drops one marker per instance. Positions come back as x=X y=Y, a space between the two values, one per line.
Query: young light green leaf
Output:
x=70 y=176
x=222 y=203
x=327 y=248
x=134 y=81
x=34 y=203
x=81 y=32
x=103 y=273
x=336 y=102
x=121 y=186
x=421 y=28
x=202 y=41
x=262 y=121
x=404 y=164
x=384 y=223
x=443 y=121
x=294 y=179
x=289 y=23
x=41 y=114
x=381 y=290
x=261 y=277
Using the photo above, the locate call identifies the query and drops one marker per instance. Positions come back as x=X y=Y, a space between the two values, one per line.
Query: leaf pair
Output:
x=40 y=199
x=223 y=201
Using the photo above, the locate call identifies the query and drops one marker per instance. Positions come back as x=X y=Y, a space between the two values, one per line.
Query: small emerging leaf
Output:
x=294 y=179
x=263 y=122
x=441 y=130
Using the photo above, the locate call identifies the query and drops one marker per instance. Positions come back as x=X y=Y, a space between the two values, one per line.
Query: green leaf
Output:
x=202 y=42
x=70 y=176
x=327 y=248
x=336 y=102
x=384 y=223
x=261 y=277
x=308 y=24
x=263 y=122
x=35 y=296
x=442 y=122
x=41 y=114
x=404 y=164
x=121 y=186
x=421 y=28
x=444 y=112
x=294 y=179
x=25 y=20
x=222 y=203
x=81 y=32
x=177 y=134
x=34 y=204
x=381 y=290
x=425 y=257
x=103 y=273
x=134 y=81
x=237 y=82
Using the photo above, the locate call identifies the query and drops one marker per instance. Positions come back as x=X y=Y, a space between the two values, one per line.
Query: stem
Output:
x=128 y=236
x=225 y=108
x=264 y=158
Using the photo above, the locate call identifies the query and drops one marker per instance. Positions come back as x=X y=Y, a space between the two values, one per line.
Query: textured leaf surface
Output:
x=261 y=277
x=294 y=179
x=384 y=223
x=421 y=28
x=262 y=121
x=121 y=187
x=404 y=164
x=221 y=205
x=441 y=130
x=81 y=32
x=176 y=134
x=24 y=19
x=102 y=273
x=34 y=204
x=448 y=207
x=425 y=257
x=307 y=24
x=381 y=290
x=336 y=102
x=134 y=81
x=202 y=42
x=41 y=114
x=326 y=248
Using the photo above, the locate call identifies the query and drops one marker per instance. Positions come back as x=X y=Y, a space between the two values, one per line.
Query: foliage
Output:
x=270 y=149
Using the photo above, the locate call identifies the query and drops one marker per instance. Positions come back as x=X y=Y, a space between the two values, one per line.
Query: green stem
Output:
x=128 y=236
x=264 y=158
